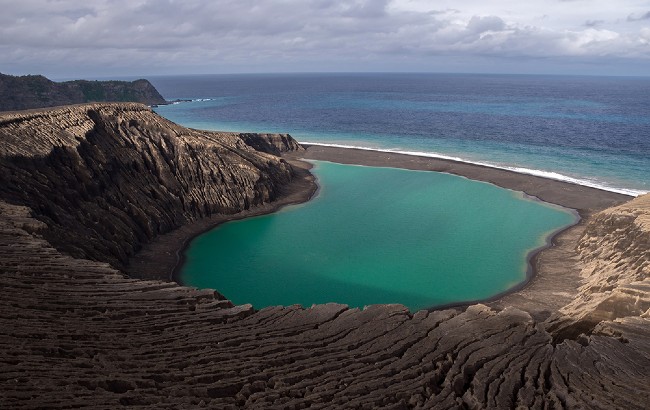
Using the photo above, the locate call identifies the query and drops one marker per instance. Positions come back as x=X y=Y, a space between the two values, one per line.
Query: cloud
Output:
x=482 y=24
x=177 y=35
x=639 y=17
x=594 y=23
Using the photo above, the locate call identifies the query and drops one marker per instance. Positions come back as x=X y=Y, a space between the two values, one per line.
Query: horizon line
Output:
x=283 y=73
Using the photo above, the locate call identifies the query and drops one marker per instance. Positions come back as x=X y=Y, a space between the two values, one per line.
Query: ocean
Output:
x=593 y=131
x=422 y=239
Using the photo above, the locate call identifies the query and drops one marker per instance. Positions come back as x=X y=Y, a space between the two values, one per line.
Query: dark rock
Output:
x=36 y=91
x=120 y=175
x=275 y=144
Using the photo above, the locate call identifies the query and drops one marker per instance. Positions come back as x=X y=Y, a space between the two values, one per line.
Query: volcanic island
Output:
x=97 y=200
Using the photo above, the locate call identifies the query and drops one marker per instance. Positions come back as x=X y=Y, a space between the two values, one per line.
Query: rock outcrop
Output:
x=117 y=175
x=272 y=143
x=615 y=251
x=76 y=332
x=36 y=91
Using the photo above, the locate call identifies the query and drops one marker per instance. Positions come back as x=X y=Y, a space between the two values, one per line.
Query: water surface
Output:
x=377 y=235
x=589 y=130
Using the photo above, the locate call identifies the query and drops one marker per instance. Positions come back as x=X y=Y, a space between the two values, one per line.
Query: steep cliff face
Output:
x=107 y=178
x=615 y=251
x=36 y=91
x=76 y=332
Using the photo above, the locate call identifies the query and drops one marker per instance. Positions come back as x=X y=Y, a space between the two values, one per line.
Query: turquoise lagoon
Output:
x=378 y=235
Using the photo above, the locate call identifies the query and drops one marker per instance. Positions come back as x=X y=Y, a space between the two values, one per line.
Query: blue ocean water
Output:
x=590 y=130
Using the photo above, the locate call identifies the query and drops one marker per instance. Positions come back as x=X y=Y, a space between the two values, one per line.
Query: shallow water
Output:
x=588 y=130
x=377 y=235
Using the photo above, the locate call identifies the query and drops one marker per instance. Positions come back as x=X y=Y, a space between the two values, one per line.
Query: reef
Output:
x=84 y=188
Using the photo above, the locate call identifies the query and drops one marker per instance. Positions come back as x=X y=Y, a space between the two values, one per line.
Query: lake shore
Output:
x=551 y=270
x=163 y=257
x=554 y=272
x=582 y=198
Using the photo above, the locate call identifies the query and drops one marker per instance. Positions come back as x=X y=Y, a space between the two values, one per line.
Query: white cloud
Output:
x=191 y=35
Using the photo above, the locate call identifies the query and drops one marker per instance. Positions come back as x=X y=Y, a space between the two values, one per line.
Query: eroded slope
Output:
x=78 y=333
x=119 y=175
x=615 y=254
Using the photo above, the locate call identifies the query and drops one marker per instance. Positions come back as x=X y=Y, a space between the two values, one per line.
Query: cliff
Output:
x=83 y=186
x=119 y=175
x=36 y=91
x=272 y=143
x=615 y=269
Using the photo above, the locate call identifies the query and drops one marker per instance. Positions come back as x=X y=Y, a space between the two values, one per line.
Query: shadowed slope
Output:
x=119 y=175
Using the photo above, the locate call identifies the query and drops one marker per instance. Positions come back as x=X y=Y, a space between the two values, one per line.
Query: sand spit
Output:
x=581 y=198
x=76 y=331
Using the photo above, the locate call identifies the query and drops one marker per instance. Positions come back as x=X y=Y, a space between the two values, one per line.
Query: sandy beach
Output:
x=581 y=198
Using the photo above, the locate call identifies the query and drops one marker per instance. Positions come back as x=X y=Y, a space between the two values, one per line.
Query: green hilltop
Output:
x=37 y=91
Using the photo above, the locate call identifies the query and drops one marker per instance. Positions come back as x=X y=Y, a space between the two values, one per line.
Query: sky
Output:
x=113 y=38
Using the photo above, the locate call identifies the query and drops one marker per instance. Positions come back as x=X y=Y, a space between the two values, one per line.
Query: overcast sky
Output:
x=99 y=38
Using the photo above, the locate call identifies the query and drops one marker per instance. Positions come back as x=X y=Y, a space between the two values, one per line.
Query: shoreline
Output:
x=531 y=272
x=167 y=252
x=582 y=198
x=163 y=258
x=550 y=175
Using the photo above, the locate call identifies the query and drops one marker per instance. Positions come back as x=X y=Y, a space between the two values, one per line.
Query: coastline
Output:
x=165 y=255
x=162 y=258
x=518 y=169
x=582 y=198
x=553 y=276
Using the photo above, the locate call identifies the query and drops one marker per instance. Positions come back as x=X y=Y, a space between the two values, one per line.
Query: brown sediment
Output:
x=76 y=332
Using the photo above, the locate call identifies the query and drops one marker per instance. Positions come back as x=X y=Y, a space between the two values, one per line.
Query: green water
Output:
x=377 y=235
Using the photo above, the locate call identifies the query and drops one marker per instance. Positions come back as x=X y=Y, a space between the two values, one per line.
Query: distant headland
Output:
x=36 y=91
